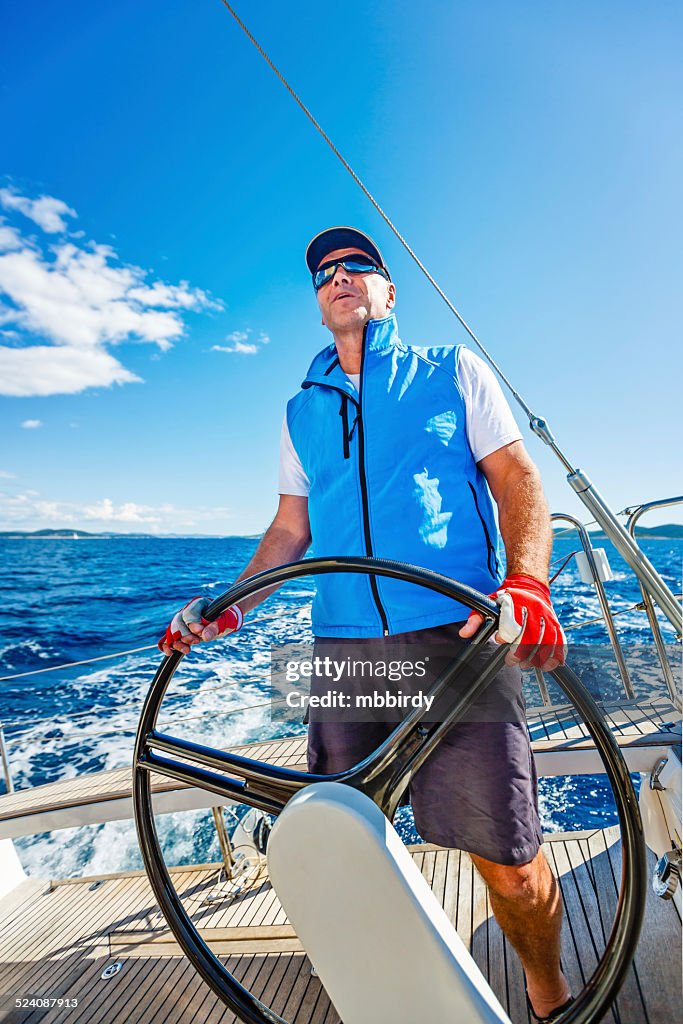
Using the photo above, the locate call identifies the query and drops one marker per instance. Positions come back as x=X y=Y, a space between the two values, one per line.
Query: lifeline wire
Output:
x=71 y=664
x=133 y=650
x=381 y=212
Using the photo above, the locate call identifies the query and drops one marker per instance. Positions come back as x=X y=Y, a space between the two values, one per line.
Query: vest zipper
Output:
x=489 y=544
x=347 y=435
x=344 y=413
x=364 y=493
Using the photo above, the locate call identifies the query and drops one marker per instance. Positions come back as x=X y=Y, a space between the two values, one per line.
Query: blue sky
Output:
x=159 y=187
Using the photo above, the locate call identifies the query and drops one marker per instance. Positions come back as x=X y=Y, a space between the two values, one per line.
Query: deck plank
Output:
x=584 y=907
x=463 y=913
x=452 y=884
x=479 y=945
x=597 y=866
x=572 y=937
x=497 y=973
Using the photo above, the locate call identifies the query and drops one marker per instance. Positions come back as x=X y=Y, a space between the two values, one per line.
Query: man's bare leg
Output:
x=528 y=907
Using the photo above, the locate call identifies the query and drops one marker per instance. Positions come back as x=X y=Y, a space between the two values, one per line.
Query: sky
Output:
x=158 y=187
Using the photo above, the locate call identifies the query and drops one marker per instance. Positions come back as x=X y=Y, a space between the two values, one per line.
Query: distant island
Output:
x=668 y=531
x=108 y=535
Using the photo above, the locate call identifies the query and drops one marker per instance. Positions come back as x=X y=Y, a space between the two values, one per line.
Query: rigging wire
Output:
x=72 y=664
x=565 y=563
x=637 y=607
x=572 y=529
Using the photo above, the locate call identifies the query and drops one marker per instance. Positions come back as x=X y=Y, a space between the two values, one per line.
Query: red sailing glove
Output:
x=528 y=622
x=180 y=630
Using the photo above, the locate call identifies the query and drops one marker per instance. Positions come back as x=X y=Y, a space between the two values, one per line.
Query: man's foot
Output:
x=552 y=1015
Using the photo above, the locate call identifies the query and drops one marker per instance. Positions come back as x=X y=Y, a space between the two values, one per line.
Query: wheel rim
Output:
x=270 y=788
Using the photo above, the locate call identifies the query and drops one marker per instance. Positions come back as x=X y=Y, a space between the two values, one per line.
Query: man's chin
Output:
x=347 y=319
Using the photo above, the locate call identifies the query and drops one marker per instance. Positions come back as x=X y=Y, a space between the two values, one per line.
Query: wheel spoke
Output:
x=238 y=790
x=386 y=774
x=285 y=778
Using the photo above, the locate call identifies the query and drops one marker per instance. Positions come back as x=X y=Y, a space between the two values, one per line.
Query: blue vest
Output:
x=392 y=475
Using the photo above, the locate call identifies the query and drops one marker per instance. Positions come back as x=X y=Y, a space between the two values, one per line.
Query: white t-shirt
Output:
x=489 y=422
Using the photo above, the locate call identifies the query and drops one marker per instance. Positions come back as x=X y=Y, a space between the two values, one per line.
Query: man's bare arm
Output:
x=522 y=510
x=527 y=534
x=286 y=539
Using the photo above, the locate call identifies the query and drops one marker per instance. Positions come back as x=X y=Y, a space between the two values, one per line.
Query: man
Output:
x=395 y=451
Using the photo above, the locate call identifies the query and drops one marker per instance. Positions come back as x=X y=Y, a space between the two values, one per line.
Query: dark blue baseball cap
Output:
x=341 y=238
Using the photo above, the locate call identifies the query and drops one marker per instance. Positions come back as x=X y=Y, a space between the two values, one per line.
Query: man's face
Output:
x=349 y=300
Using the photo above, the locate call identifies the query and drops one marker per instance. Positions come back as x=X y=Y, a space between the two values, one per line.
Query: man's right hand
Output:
x=188 y=626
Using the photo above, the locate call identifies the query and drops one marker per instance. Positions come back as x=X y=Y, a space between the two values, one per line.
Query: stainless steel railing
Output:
x=667 y=669
x=587 y=546
x=635 y=513
x=6 y=770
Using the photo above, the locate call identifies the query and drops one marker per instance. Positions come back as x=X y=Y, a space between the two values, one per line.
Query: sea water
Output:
x=69 y=600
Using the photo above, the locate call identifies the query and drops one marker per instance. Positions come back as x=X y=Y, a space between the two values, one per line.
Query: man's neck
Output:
x=350 y=349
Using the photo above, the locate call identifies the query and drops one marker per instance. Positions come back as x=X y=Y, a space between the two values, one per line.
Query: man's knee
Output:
x=525 y=882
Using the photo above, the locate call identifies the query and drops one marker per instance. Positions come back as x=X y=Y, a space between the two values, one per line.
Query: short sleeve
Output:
x=489 y=421
x=293 y=479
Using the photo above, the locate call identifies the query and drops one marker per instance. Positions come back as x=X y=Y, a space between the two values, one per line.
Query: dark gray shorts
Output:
x=478 y=790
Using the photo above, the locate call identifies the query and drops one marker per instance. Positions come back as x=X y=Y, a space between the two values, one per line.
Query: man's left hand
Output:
x=541 y=642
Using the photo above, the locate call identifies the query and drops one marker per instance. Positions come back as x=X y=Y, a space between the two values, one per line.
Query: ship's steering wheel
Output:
x=384 y=776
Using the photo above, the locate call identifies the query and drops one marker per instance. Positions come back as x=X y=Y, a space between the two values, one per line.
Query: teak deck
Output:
x=56 y=939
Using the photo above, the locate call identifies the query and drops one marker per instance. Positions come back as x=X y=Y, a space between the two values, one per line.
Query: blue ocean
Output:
x=68 y=600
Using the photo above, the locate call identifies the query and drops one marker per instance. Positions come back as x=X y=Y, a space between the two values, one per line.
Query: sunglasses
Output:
x=356 y=263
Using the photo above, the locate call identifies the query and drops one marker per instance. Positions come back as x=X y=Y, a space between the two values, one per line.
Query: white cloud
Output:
x=240 y=345
x=41 y=370
x=68 y=303
x=9 y=237
x=32 y=424
x=46 y=211
x=173 y=296
x=129 y=512
x=29 y=511
x=6 y=476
